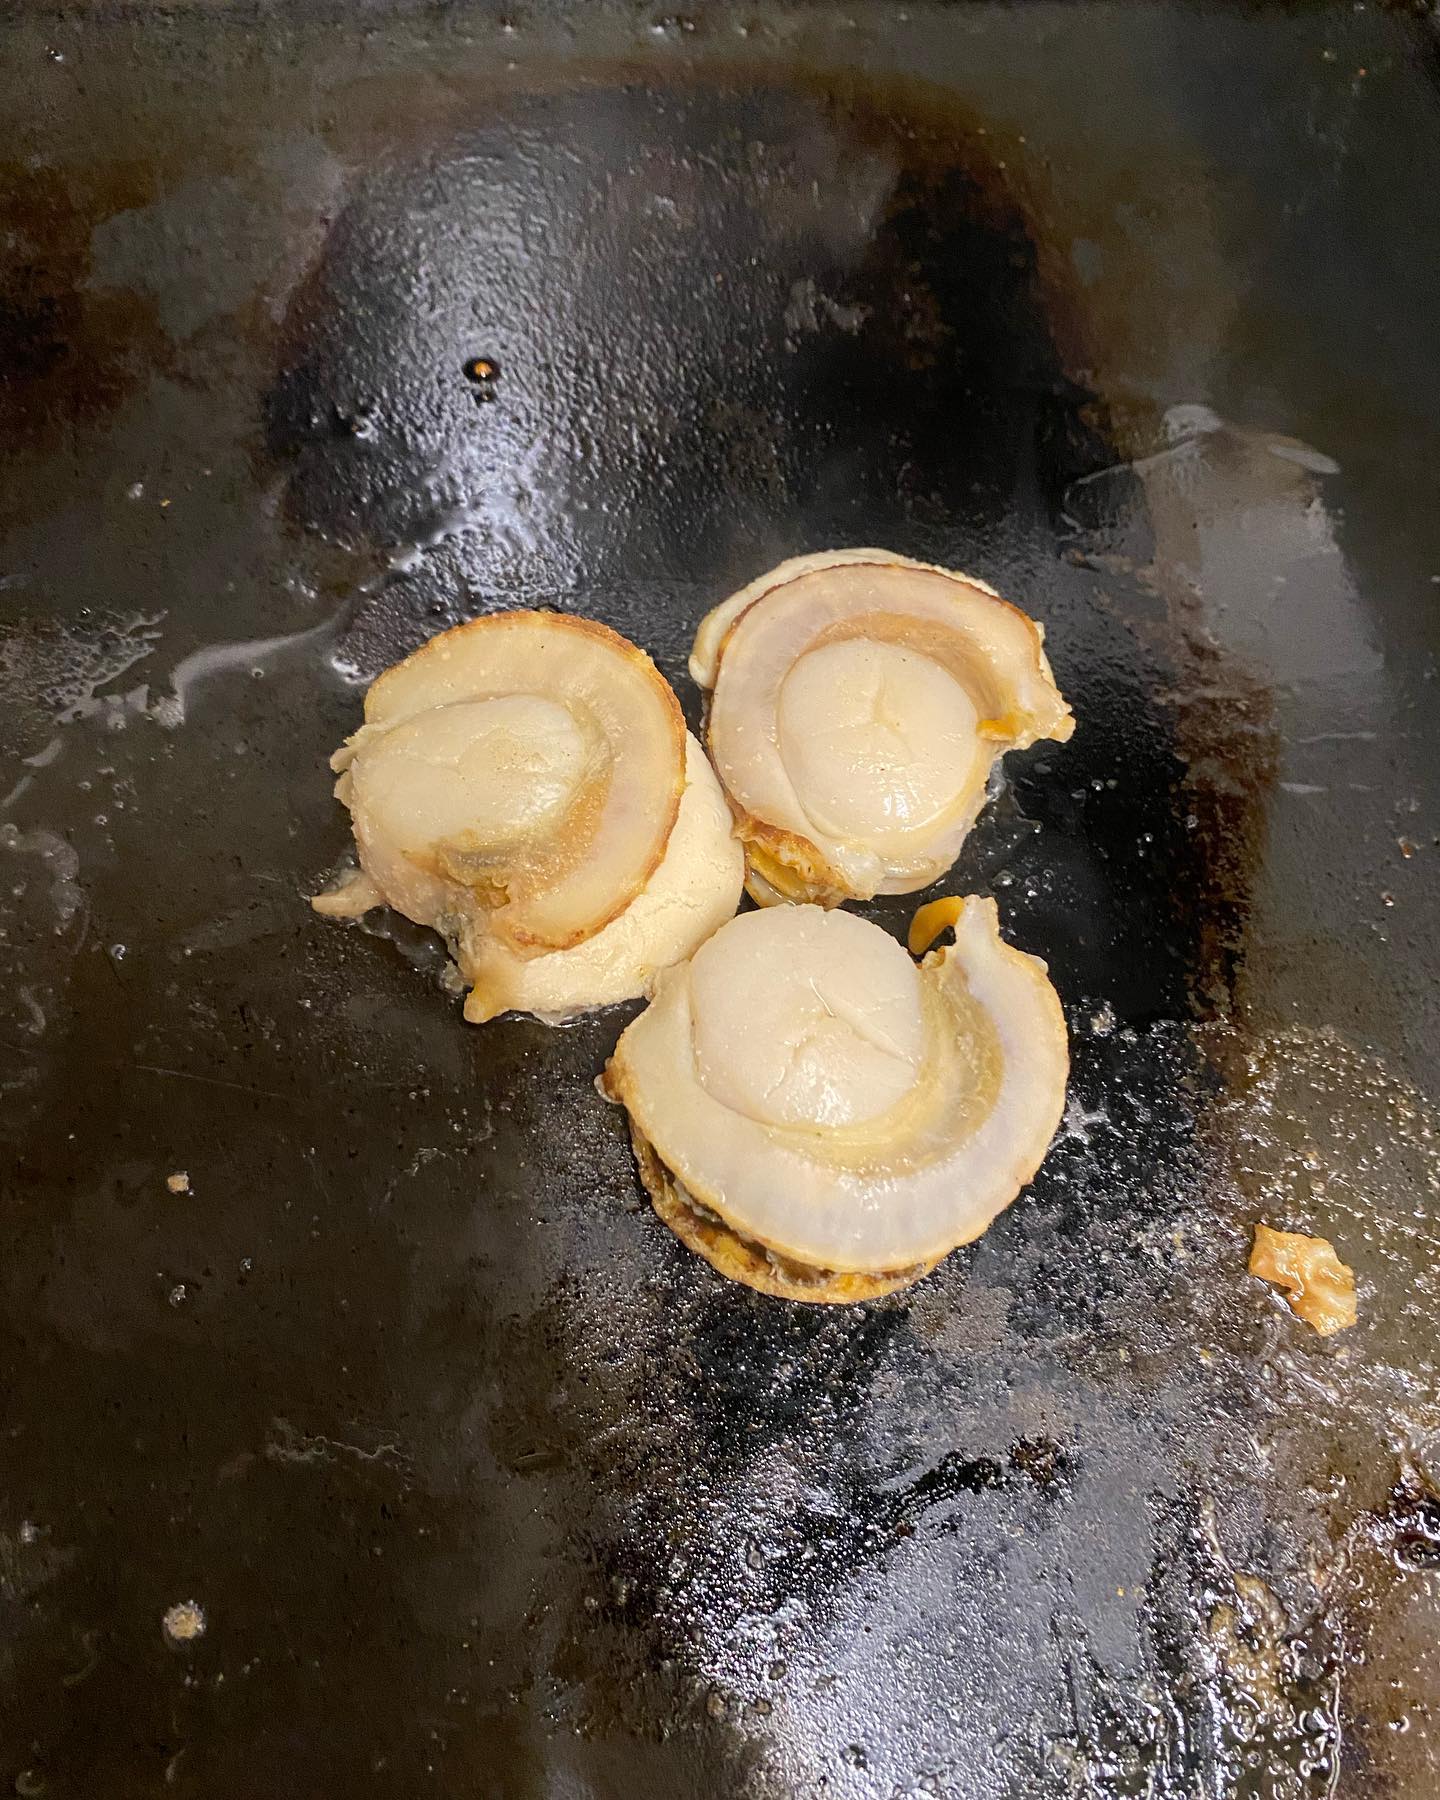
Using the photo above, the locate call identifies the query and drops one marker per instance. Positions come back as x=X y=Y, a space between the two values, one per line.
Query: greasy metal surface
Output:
x=481 y=1484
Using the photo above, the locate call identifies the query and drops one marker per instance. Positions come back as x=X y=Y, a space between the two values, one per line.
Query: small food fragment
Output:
x=525 y=785
x=1319 y=1288
x=184 y=1622
x=821 y=1119
x=858 y=702
x=929 y=920
x=178 y=1183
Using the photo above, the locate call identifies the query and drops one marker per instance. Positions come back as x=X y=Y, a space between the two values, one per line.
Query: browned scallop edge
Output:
x=737 y=1259
x=517 y=935
x=790 y=863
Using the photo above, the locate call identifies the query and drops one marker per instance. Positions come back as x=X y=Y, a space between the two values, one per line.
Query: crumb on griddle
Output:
x=1319 y=1288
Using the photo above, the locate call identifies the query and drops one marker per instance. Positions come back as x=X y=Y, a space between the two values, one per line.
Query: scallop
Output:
x=525 y=785
x=823 y=1119
x=858 y=702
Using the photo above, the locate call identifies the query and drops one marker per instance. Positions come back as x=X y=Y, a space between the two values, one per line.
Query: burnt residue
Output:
x=1408 y=1525
x=1251 y=1702
x=1050 y=1466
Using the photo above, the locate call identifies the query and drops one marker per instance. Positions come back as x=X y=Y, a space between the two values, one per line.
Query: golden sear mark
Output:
x=741 y=1259
x=789 y=865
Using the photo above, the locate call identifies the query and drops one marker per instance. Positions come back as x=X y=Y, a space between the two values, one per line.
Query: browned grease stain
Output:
x=71 y=352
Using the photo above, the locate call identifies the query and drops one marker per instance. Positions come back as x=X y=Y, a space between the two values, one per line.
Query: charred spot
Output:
x=1042 y=1461
x=953 y=1476
x=1410 y=1521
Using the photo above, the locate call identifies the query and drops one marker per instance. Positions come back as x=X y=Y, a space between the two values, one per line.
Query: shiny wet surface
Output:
x=480 y=1482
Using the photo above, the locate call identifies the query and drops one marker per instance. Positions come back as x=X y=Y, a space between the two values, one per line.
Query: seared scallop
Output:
x=858 y=702
x=525 y=785
x=823 y=1119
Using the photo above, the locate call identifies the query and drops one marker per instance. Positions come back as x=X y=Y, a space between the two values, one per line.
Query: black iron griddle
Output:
x=482 y=1484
